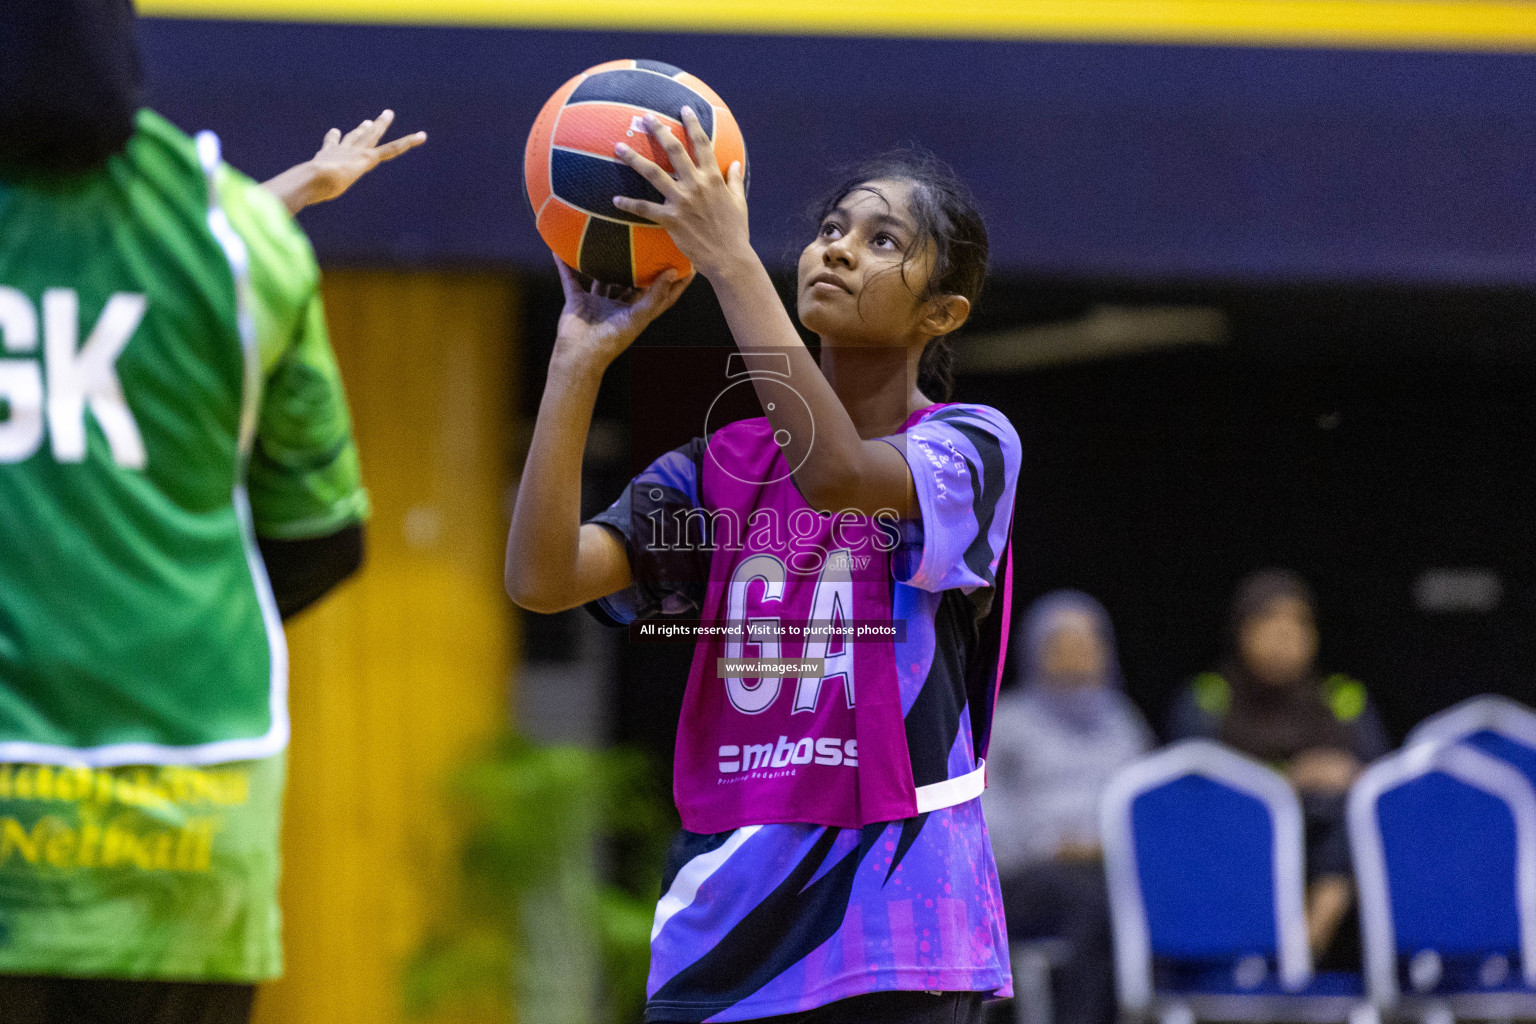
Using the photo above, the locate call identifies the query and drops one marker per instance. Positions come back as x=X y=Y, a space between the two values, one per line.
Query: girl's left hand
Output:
x=705 y=212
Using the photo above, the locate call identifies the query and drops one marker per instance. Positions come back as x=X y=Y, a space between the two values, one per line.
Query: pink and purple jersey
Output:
x=830 y=848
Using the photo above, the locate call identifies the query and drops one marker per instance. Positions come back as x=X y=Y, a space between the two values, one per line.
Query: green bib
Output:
x=167 y=392
x=136 y=623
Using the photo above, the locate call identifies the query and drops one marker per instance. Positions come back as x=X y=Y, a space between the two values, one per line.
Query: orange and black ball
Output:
x=570 y=172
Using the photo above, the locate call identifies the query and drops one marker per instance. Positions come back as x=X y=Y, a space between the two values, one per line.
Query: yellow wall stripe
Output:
x=1484 y=25
x=403 y=673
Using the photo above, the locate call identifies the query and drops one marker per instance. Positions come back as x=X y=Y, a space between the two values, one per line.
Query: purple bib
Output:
x=823 y=742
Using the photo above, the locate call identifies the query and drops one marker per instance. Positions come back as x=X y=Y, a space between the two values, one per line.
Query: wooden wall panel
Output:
x=403 y=672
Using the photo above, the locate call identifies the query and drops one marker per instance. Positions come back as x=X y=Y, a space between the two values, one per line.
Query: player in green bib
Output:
x=177 y=473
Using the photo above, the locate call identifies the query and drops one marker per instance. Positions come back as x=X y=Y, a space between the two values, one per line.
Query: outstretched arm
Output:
x=554 y=562
x=342 y=160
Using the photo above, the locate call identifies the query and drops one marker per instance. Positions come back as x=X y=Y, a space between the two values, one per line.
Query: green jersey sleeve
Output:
x=304 y=478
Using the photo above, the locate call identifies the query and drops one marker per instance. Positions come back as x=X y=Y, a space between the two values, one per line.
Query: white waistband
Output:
x=952 y=791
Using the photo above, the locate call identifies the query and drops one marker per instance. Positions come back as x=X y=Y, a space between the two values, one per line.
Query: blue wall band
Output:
x=1089 y=159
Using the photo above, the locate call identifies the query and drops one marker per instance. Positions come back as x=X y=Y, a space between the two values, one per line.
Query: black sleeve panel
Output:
x=304 y=571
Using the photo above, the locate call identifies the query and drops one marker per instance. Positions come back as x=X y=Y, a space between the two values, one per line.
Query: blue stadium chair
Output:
x=1203 y=849
x=1444 y=843
x=1495 y=725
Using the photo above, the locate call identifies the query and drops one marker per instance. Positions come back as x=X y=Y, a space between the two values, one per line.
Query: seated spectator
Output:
x=1270 y=702
x=1056 y=740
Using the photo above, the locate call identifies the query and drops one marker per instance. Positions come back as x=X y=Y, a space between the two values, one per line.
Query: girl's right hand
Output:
x=598 y=329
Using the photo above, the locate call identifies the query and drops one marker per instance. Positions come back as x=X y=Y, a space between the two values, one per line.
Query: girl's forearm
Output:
x=544 y=542
x=820 y=432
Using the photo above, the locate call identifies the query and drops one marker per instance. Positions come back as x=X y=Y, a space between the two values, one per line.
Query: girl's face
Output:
x=851 y=288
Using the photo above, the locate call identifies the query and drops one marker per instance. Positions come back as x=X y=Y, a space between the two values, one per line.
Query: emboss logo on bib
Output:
x=827 y=750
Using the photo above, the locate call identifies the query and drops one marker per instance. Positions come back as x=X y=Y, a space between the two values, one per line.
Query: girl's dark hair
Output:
x=945 y=214
x=69 y=83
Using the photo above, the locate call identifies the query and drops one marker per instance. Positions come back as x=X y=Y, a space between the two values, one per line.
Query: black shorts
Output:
x=891 y=1008
x=26 y=999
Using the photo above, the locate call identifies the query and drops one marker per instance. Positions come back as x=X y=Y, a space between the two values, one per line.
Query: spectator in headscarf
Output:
x=1270 y=702
x=1056 y=740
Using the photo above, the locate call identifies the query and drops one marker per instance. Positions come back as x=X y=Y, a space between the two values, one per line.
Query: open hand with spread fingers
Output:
x=341 y=160
x=703 y=210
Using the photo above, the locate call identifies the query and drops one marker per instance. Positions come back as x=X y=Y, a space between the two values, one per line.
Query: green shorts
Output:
x=161 y=872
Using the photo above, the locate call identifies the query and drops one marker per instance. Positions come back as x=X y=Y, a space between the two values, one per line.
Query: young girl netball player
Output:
x=834 y=865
